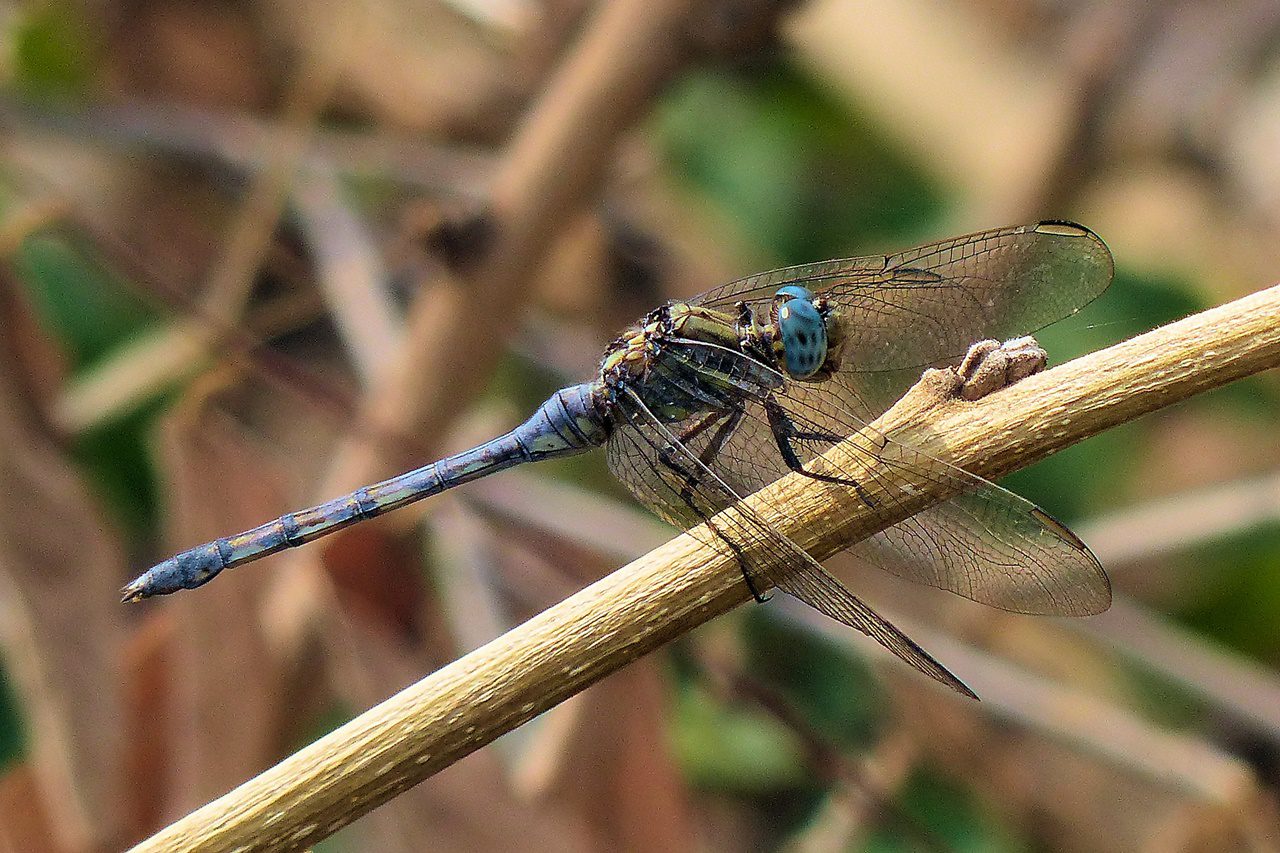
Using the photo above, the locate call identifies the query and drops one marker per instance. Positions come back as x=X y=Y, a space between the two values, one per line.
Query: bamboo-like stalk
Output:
x=682 y=584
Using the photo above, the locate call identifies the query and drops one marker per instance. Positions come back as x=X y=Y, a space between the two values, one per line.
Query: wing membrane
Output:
x=924 y=305
x=997 y=549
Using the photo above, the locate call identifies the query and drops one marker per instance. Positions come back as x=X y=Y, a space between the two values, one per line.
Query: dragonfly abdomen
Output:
x=569 y=422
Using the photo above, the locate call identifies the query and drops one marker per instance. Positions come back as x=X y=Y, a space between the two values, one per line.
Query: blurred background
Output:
x=257 y=254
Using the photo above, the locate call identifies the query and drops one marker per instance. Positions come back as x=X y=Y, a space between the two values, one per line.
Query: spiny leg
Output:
x=691 y=432
x=707 y=457
x=785 y=431
x=699 y=426
x=712 y=450
x=728 y=423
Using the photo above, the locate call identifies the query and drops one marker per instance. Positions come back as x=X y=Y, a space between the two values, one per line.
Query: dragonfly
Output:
x=707 y=400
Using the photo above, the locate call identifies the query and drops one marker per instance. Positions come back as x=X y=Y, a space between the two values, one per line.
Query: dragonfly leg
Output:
x=785 y=431
x=699 y=426
x=691 y=432
x=728 y=424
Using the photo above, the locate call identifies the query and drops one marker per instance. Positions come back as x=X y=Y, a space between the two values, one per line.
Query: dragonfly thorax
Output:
x=683 y=359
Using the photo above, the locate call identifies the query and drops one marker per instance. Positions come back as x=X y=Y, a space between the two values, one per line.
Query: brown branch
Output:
x=244 y=144
x=864 y=788
x=155 y=361
x=61 y=647
x=349 y=270
x=1173 y=524
x=684 y=583
x=1239 y=688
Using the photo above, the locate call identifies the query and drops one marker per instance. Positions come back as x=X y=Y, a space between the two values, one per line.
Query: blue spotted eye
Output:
x=804 y=335
x=795 y=291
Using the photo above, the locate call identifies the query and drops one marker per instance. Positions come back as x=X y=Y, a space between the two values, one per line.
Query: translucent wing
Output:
x=667 y=476
x=928 y=304
x=986 y=543
x=997 y=548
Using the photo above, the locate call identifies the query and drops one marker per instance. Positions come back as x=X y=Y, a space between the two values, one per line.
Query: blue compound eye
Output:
x=804 y=336
x=795 y=291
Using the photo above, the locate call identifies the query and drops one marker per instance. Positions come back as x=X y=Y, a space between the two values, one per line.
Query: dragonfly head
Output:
x=802 y=331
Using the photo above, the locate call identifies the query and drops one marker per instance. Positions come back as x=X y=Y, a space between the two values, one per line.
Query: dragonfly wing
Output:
x=666 y=475
x=994 y=547
x=986 y=543
x=824 y=593
x=757 y=290
x=927 y=305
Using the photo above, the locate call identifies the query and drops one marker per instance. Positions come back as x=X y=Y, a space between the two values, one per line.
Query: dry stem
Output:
x=684 y=583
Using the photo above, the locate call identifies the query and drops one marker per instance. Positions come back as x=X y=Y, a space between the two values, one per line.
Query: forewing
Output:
x=757 y=290
x=928 y=304
x=636 y=452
